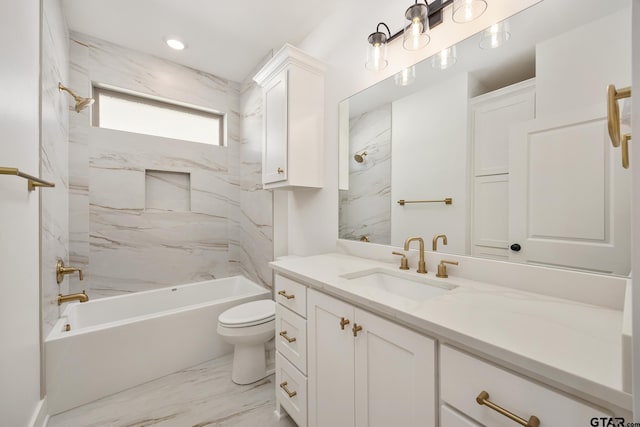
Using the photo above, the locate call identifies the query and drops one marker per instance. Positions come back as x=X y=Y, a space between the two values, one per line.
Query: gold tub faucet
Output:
x=83 y=297
x=61 y=270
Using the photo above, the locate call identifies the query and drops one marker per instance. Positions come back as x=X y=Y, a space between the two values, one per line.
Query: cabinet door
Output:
x=274 y=153
x=394 y=375
x=330 y=361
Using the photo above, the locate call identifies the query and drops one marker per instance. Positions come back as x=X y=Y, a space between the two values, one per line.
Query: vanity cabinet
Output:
x=364 y=370
x=463 y=377
x=293 y=120
x=492 y=116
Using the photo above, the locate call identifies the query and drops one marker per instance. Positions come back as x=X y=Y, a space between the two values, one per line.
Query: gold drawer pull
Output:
x=283 y=334
x=284 y=294
x=286 y=390
x=356 y=328
x=483 y=399
x=343 y=322
x=280 y=170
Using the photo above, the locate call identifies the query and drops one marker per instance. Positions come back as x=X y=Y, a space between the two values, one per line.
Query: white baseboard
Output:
x=40 y=416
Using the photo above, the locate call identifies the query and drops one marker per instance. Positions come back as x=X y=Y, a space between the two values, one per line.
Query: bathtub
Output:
x=118 y=342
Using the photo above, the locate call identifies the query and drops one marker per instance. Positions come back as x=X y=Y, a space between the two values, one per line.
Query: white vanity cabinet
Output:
x=364 y=370
x=492 y=115
x=463 y=377
x=293 y=115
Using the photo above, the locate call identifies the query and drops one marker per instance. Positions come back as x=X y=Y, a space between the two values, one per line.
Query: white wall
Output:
x=600 y=55
x=19 y=222
x=340 y=41
x=429 y=162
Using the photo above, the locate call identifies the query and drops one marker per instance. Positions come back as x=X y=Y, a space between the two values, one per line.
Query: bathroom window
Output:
x=132 y=113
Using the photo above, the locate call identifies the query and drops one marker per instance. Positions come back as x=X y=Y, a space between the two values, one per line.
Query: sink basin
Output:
x=382 y=284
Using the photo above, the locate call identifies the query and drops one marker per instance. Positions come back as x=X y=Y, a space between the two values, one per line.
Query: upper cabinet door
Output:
x=569 y=197
x=274 y=153
x=492 y=116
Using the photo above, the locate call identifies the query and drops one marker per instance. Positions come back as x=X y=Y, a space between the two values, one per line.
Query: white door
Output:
x=569 y=197
x=330 y=361
x=274 y=153
x=394 y=375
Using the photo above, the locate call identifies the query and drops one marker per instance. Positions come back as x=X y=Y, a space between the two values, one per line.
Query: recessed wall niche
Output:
x=167 y=191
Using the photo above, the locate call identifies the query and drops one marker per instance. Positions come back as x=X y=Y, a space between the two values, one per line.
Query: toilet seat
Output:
x=249 y=314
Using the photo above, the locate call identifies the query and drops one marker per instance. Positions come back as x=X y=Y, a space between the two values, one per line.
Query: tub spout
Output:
x=83 y=297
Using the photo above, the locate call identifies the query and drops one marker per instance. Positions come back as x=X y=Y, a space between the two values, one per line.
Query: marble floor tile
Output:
x=199 y=396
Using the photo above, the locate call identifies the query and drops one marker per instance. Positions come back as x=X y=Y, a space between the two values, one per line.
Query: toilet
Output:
x=248 y=327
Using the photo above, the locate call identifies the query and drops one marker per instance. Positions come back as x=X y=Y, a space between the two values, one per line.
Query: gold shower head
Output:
x=81 y=103
x=360 y=157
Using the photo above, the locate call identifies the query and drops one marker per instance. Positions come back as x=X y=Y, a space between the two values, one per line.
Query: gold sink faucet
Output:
x=442 y=268
x=83 y=297
x=434 y=247
x=61 y=270
x=422 y=267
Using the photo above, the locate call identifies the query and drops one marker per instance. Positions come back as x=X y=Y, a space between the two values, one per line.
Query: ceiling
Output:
x=224 y=38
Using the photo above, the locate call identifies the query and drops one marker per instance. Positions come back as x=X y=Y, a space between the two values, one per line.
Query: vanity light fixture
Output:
x=406 y=76
x=377 y=50
x=174 y=43
x=415 y=34
x=422 y=17
x=495 y=36
x=444 y=59
x=468 y=10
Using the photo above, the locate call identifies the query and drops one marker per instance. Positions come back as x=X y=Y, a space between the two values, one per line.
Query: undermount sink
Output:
x=382 y=283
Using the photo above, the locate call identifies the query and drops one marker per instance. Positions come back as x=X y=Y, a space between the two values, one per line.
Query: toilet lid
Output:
x=249 y=314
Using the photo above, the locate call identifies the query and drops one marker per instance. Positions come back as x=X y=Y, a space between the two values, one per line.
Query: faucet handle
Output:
x=442 y=268
x=404 y=264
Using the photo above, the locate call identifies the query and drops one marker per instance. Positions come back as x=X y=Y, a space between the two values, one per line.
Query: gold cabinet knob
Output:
x=280 y=170
x=286 y=390
x=343 y=322
x=284 y=335
x=287 y=296
x=356 y=328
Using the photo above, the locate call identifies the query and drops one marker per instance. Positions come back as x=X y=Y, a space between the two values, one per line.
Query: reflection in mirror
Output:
x=515 y=135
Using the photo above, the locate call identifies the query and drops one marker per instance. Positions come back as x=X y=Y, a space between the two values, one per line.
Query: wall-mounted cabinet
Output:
x=293 y=120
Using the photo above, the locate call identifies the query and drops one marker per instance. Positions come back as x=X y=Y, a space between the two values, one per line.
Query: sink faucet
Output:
x=83 y=297
x=61 y=270
x=422 y=267
x=434 y=247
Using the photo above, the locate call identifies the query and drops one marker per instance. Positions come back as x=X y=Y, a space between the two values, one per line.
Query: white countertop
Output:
x=570 y=345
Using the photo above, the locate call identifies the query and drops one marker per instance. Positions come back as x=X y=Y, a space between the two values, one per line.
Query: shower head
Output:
x=81 y=103
x=360 y=157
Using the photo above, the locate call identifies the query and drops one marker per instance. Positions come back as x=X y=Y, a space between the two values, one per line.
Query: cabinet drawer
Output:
x=452 y=418
x=464 y=377
x=292 y=295
x=291 y=337
x=287 y=376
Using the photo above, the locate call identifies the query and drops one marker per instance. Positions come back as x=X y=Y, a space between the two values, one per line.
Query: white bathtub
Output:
x=118 y=342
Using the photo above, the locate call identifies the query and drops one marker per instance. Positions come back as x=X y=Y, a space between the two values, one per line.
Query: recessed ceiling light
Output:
x=175 y=44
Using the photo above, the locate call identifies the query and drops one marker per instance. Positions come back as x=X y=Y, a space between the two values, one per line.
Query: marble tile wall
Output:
x=369 y=193
x=123 y=247
x=54 y=231
x=256 y=204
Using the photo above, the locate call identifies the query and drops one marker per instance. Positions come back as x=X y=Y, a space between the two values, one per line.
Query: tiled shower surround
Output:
x=122 y=244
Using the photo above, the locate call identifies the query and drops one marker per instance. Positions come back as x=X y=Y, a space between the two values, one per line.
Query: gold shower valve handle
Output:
x=343 y=322
x=287 y=296
x=356 y=328
x=280 y=170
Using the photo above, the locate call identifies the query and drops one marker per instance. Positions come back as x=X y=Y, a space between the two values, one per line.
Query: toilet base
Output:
x=249 y=363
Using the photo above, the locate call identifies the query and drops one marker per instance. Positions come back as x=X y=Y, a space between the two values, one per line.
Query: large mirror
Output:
x=504 y=149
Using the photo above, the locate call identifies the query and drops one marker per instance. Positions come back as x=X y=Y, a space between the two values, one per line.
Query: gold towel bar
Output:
x=446 y=201
x=32 y=181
